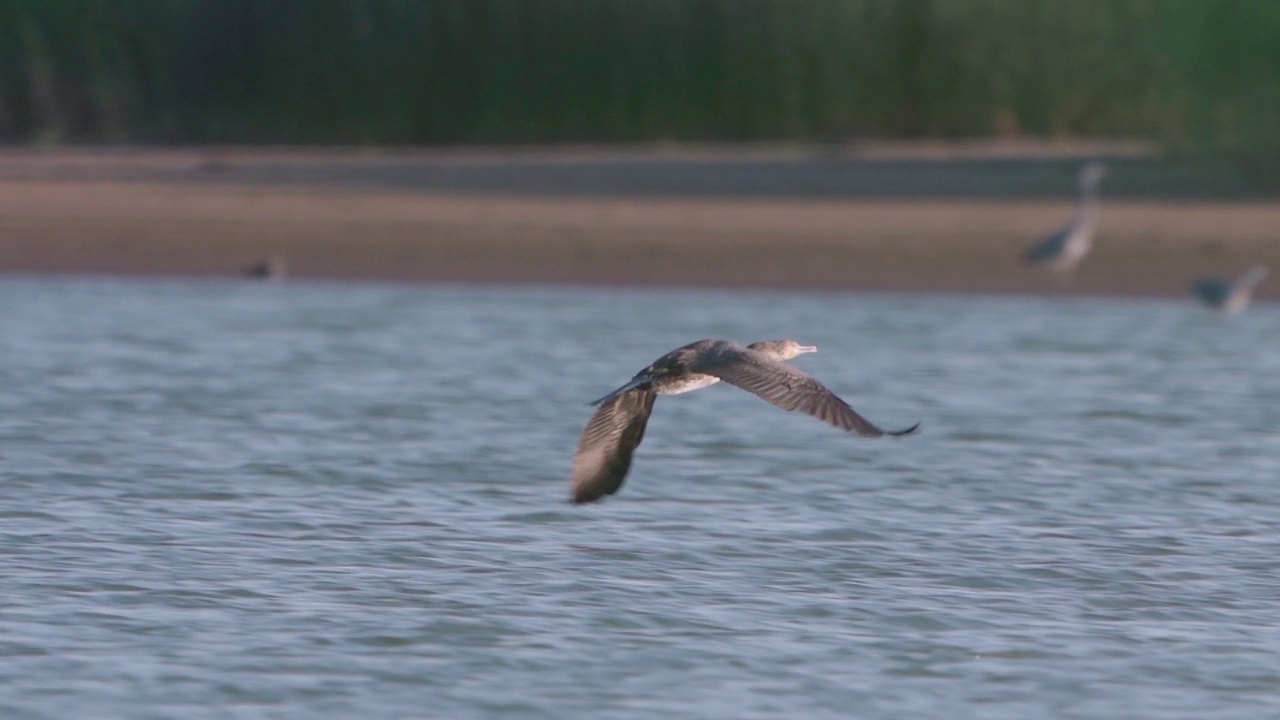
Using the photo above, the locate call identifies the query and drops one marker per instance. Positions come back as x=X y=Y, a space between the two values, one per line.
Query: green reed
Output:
x=1196 y=74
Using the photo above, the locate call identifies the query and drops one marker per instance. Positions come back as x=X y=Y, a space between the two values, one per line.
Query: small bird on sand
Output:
x=1064 y=249
x=617 y=427
x=1229 y=296
x=273 y=267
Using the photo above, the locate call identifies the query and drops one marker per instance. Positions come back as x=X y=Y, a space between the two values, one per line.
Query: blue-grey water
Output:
x=229 y=500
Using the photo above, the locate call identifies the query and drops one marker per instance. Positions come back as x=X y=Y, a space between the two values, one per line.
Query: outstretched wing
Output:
x=610 y=438
x=790 y=389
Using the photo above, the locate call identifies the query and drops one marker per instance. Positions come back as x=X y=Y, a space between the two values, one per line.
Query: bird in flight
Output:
x=617 y=427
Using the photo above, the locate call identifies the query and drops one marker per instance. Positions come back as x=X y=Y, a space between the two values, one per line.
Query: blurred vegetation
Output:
x=1197 y=74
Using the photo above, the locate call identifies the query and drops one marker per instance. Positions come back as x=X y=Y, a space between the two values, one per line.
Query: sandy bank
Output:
x=850 y=224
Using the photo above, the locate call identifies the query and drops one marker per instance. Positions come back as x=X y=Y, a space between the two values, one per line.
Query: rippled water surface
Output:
x=226 y=500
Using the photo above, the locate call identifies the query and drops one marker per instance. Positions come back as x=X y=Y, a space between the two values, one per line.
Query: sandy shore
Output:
x=722 y=218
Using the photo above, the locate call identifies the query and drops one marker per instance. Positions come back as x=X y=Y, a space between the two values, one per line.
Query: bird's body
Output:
x=1064 y=249
x=1229 y=296
x=271 y=268
x=618 y=425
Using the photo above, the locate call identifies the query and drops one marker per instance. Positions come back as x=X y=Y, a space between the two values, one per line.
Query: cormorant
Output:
x=616 y=429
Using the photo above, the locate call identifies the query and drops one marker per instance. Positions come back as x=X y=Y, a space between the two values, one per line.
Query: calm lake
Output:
x=236 y=500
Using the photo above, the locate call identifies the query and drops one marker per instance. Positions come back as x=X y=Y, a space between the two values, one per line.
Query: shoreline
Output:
x=344 y=215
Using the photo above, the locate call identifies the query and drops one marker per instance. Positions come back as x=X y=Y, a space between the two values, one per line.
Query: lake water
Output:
x=231 y=500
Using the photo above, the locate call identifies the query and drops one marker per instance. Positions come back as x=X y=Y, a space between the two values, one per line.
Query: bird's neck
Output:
x=1088 y=203
x=1251 y=278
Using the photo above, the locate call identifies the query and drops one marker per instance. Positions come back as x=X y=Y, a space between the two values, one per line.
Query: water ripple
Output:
x=234 y=500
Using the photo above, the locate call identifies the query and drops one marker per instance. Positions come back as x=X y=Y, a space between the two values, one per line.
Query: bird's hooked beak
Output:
x=802 y=349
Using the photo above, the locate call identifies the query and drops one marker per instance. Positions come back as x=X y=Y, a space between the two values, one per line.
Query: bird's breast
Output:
x=683 y=383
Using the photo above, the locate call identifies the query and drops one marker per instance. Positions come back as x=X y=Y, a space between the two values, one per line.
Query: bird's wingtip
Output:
x=583 y=498
x=908 y=431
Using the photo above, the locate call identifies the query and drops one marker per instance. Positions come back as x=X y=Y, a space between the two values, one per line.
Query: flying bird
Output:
x=1064 y=249
x=617 y=427
x=1229 y=296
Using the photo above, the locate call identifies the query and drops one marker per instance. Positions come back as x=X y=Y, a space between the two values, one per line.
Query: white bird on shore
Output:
x=1064 y=249
x=1229 y=296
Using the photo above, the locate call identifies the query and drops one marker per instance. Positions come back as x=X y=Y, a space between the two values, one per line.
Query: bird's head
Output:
x=782 y=349
x=1092 y=173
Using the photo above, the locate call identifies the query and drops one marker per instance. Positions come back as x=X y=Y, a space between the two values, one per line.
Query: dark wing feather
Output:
x=1212 y=292
x=790 y=389
x=610 y=438
x=1048 y=248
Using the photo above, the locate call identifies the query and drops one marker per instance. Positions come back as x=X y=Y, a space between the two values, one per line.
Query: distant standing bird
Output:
x=1063 y=250
x=270 y=268
x=616 y=429
x=1229 y=296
